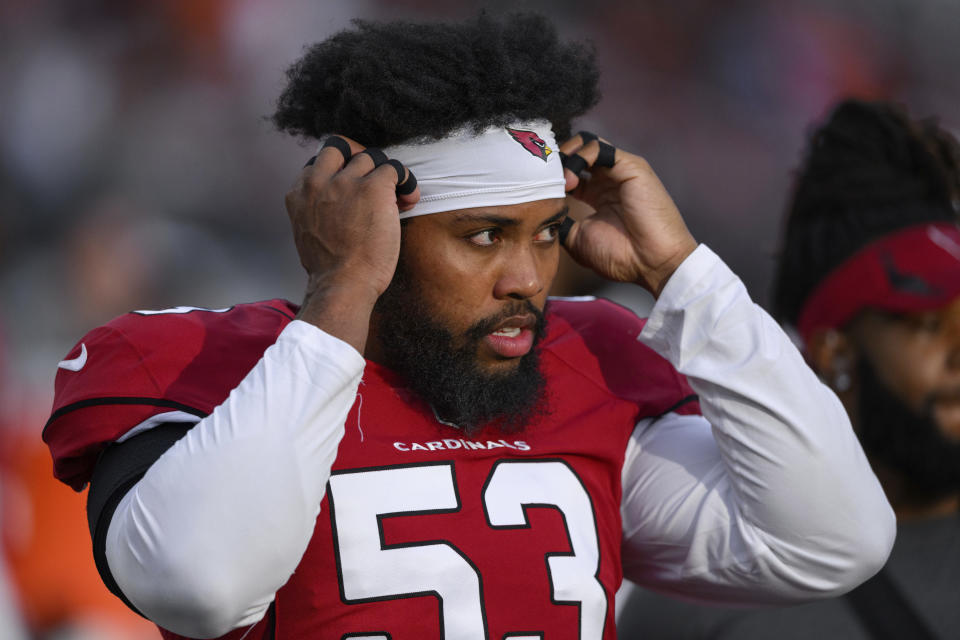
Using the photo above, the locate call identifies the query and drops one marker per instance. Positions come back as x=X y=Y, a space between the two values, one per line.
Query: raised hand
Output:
x=344 y=213
x=635 y=233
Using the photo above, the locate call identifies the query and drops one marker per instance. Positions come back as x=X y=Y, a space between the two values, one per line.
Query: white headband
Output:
x=499 y=166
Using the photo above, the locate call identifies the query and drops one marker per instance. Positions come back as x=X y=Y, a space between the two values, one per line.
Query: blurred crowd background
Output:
x=138 y=170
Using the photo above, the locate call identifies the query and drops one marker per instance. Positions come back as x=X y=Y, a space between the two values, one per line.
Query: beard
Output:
x=905 y=441
x=445 y=372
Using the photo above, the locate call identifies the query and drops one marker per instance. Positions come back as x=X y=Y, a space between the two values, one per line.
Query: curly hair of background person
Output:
x=869 y=170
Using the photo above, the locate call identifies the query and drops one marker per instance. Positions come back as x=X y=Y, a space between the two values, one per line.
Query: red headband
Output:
x=916 y=269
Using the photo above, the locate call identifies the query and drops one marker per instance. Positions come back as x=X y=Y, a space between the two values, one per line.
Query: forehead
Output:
x=946 y=316
x=527 y=213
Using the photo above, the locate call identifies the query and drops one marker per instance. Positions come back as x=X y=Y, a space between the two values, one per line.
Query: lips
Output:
x=513 y=337
x=947 y=413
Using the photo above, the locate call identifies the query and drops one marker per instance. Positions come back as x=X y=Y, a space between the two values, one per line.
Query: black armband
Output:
x=121 y=465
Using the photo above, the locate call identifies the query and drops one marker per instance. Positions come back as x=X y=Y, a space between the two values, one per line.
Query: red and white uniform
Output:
x=351 y=509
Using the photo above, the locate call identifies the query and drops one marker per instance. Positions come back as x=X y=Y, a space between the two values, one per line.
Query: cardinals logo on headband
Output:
x=531 y=142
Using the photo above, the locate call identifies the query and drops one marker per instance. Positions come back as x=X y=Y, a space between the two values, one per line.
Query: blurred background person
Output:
x=137 y=168
x=869 y=278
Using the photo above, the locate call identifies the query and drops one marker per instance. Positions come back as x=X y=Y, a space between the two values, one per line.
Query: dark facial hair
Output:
x=443 y=370
x=909 y=443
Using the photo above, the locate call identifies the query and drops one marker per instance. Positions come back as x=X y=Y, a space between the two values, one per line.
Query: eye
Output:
x=928 y=322
x=548 y=233
x=485 y=238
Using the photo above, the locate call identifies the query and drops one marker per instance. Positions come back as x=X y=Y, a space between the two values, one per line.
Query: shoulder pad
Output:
x=145 y=363
x=598 y=339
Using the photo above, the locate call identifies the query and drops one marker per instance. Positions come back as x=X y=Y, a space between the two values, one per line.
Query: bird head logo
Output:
x=531 y=142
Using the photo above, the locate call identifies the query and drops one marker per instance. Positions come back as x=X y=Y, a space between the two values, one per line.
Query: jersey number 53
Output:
x=371 y=570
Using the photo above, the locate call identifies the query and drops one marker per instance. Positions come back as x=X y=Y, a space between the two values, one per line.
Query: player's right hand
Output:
x=344 y=213
x=345 y=220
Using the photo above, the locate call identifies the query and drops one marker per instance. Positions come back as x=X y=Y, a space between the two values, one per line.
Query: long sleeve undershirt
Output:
x=774 y=502
x=775 y=490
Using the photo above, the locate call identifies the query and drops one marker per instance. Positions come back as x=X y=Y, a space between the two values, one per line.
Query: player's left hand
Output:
x=635 y=233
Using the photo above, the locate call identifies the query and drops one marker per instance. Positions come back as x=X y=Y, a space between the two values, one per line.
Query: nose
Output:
x=522 y=274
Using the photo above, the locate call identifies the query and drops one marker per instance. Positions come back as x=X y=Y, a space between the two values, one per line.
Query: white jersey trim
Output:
x=157 y=420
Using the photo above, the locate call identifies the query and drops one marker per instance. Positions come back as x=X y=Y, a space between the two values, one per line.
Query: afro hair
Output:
x=396 y=82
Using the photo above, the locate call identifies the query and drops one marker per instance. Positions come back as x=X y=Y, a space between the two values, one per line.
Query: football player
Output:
x=426 y=447
x=869 y=276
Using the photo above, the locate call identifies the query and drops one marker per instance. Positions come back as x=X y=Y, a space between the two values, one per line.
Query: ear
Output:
x=832 y=354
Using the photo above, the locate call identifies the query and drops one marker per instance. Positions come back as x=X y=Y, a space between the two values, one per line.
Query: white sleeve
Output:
x=220 y=521
x=770 y=498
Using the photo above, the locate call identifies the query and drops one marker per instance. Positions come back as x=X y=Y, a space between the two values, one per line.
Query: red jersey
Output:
x=424 y=532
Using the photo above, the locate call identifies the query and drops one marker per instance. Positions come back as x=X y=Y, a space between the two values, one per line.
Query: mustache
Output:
x=948 y=396
x=514 y=308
